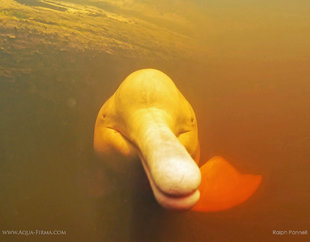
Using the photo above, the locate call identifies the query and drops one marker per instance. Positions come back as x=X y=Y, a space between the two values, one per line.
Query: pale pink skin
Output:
x=148 y=117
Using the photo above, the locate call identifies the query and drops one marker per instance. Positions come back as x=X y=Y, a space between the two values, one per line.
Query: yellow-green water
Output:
x=244 y=67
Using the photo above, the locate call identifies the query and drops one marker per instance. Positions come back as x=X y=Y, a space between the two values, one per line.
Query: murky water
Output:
x=249 y=86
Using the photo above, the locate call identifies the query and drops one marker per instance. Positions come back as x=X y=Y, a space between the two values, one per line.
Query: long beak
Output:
x=173 y=174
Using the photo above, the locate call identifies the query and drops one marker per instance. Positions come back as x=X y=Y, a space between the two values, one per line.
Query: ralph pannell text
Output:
x=290 y=232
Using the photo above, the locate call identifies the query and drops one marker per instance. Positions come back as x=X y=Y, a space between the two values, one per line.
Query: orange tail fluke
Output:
x=223 y=187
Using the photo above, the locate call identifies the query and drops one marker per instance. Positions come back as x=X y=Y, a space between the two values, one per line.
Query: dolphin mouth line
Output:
x=174 y=202
x=169 y=201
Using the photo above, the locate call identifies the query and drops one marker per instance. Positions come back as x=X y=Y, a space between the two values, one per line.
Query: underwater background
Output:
x=244 y=67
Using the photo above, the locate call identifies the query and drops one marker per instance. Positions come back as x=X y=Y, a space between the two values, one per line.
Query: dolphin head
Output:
x=148 y=117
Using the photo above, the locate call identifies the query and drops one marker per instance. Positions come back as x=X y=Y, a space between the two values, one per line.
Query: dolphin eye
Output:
x=104 y=115
x=192 y=120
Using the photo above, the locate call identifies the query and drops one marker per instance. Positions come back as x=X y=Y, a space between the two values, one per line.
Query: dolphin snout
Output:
x=176 y=176
x=173 y=174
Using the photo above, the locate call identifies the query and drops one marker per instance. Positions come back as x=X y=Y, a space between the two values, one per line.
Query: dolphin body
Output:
x=149 y=118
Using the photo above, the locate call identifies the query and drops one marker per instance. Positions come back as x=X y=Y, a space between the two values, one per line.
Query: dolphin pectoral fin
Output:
x=223 y=187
